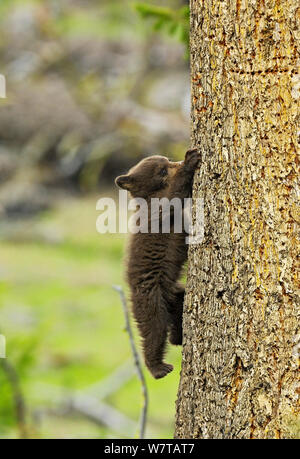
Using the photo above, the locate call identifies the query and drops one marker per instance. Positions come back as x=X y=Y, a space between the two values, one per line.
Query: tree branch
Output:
x=20 y=408
x=137 y=362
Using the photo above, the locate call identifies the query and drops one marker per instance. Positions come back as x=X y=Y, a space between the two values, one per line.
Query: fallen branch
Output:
x=98 y=412
x=113 y=382
x=102 y=414
x=88 y=403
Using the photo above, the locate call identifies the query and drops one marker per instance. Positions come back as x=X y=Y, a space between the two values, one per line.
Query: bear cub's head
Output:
x=151 y=176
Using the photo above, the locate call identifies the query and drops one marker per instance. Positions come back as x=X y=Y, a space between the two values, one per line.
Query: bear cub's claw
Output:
x=192 y=158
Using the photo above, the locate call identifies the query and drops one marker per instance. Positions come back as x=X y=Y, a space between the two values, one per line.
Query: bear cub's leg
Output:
x=175 y=313
x=154 y=333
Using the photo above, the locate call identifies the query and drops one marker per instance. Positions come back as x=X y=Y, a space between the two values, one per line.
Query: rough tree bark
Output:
x=241 y=320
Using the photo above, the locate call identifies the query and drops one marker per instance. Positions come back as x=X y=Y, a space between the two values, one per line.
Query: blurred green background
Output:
x=92 y=87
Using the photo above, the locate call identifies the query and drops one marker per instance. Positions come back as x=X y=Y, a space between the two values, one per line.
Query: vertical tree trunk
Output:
x=241 y=321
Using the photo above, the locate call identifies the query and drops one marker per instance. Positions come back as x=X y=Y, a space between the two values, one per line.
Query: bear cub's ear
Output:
x=124 y=181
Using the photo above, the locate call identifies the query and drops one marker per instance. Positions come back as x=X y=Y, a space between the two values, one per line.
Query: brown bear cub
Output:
x=155 y=259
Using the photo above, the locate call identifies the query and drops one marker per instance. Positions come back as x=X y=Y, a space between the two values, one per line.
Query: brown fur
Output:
x=156 y=259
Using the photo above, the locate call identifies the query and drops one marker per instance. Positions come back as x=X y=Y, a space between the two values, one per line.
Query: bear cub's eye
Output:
x=163 y=172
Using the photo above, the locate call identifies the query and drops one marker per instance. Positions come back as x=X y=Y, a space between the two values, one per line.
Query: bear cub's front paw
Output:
x=192 y=158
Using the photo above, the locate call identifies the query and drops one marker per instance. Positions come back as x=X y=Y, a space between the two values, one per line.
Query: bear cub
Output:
x=155 y=260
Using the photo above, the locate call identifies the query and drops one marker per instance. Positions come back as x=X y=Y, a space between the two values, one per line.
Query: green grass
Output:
x=64 y=323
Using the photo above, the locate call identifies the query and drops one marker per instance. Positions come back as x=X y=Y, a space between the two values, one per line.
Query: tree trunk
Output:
x=241 y=320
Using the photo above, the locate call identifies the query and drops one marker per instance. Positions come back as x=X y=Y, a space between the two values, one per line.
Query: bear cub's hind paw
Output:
x=176 y=339
x=161 y=370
